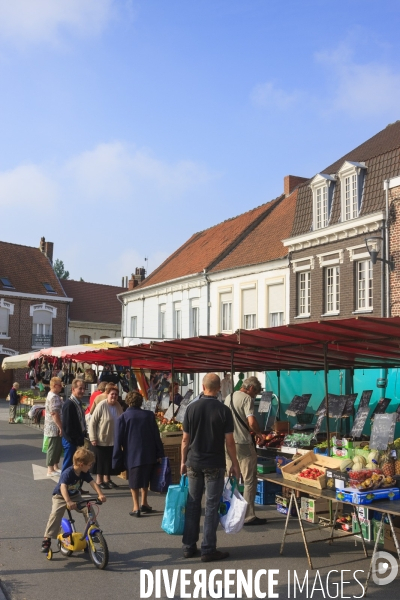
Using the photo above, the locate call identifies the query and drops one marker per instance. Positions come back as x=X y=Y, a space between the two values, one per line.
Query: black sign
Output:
x=298 y=405
x=381 y=407
x=348 y=408
x=382 y=432
x=265 y=402
x=318 y=424
x=365 y=398
x=362 y=414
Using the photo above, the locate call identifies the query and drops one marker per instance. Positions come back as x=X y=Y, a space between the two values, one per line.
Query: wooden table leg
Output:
x=334 y=523
x=302 y=531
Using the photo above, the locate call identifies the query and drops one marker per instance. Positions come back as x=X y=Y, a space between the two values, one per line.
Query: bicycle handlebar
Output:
x=82 y=503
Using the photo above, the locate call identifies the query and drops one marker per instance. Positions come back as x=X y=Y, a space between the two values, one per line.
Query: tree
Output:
x=59 y=269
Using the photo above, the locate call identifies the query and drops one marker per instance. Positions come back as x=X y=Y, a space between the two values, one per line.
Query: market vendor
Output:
x=14 y=401
x=177 y=396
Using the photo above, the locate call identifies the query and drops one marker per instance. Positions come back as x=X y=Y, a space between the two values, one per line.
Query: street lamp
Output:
x=374 y=245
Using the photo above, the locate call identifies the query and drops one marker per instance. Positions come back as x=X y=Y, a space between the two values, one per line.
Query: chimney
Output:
x=132 y=283
x=138 y=277
x=290 y=182
x=42 y=244
x=48 y=250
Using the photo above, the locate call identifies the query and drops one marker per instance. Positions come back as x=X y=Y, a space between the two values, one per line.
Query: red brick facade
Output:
x=394 y=247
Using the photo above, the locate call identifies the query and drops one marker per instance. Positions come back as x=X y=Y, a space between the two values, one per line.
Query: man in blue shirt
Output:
x=14 y=401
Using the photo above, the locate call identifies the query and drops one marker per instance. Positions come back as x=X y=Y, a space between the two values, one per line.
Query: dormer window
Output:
x=322 y=187
x=49 y=288
x=351 y=176
x=6 y=283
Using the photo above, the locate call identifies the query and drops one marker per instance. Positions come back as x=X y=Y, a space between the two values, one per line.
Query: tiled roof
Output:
x=93 y=302
x=264 y=243
x=381 y=155
x=27 y=268
x=204 y=250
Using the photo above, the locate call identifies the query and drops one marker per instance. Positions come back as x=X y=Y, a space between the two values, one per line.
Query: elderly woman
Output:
x=53 y=427
x=102 y=428
x=14 y=401
x=139 y=445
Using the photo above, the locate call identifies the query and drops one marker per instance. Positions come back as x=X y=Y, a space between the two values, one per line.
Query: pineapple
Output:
x=388 y=465
x=397 y=463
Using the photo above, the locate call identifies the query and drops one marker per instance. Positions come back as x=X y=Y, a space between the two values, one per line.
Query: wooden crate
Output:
x=171 y=438
x=292 y=469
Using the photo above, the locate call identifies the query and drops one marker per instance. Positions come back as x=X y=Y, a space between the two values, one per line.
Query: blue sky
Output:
x=128 y=125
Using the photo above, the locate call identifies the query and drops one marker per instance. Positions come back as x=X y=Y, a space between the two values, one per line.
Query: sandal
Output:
x=46 y=544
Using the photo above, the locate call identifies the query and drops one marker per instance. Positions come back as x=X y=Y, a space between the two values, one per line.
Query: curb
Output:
x=2 y=593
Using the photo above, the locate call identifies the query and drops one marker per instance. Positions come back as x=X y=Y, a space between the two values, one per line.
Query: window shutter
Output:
x=226 y=297
x=42 y=316
x=249 y=301
x=3 y=321
x=276 y=298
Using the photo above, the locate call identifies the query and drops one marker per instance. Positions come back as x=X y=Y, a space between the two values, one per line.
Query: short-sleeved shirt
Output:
x=53 y=404
x=72 y=481
x=207 y=421
x=244 y=406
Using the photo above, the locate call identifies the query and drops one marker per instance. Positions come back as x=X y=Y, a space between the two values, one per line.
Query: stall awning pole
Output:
x=326 y=396
x=278 y=414
x=232 y=372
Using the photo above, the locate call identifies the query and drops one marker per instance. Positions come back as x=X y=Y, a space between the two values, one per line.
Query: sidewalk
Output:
x=136 y=544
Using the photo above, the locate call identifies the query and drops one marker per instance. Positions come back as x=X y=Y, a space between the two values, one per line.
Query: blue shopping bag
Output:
x=161 y=477
x=175 y=506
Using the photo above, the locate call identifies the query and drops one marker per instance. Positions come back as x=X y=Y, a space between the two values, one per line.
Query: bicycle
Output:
x=91 y=540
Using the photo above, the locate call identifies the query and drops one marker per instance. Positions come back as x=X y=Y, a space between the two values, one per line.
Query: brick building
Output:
x=33 y=304
x=332 y=274
x=95 y=312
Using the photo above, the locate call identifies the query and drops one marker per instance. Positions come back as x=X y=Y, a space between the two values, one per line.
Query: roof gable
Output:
x=205 y=249
x=27 y=269
x=93 y=302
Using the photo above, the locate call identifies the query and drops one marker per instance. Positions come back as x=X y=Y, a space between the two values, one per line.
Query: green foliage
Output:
x=59 y=269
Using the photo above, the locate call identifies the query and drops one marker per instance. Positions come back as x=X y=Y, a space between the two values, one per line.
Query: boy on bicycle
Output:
x=67 y=493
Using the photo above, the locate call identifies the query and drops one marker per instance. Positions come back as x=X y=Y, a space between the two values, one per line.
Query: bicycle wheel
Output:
x=99 y=554
x=49 y=555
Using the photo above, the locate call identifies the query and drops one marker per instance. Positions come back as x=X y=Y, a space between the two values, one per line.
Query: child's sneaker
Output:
x=46 y=544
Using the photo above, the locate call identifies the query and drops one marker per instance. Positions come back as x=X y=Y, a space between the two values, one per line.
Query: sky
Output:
x=129 y=125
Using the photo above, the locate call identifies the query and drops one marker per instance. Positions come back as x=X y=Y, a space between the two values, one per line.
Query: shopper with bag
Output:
x=207 y=427
x=241 y=403
x=53 y=427
x=138 y=446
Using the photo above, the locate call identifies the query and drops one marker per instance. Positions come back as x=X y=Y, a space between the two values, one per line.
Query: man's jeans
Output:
x=69 y=451
x=213 y=480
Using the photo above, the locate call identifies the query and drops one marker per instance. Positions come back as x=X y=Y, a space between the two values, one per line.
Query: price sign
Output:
x=172 y=409
x=165 y=402
x=348 y=407
x=381 y=407
x=298 y=405
x=382 y=432
x=265 y=402
x=318 y=424
x=149 y=405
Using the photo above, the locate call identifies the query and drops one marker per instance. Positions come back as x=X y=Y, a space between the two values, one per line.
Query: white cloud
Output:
x=27 y=186
x=26 y=21
x=120 y=172
x=267 y=95
x=360 y=89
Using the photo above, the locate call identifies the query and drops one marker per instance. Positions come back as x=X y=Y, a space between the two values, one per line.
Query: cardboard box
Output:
x=292 y=470
x=314 y=504
x=375 y=528
x=366 y=526
x=342 y=447
x=388 y=542
x=364 y=512
x=281 y=426
x=312 y=516
x=284 y=510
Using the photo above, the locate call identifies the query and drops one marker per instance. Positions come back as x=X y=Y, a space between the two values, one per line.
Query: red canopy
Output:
x=362 y=342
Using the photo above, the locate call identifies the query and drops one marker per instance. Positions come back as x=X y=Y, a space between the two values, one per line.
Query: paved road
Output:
x=135 y=543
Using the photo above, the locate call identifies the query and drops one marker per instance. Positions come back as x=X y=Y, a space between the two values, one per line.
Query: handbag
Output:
x=245 y=425
x=233 y=507
x=173 y=521
x=45 y=446
x=161 y=477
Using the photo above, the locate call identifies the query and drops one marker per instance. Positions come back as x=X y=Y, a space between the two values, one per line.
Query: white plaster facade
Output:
x=96 y=331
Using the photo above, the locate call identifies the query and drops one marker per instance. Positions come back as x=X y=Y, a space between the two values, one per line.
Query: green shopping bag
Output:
x=45 y=446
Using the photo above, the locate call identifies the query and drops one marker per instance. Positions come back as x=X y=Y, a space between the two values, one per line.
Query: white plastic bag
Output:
x=235 y=507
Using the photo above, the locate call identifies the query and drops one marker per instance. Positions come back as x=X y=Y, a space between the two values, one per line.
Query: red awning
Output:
x=362 y=342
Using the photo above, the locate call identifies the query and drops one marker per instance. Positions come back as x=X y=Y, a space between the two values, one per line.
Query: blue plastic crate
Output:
x=357 y=497
x=266 y=487
x=268 y=498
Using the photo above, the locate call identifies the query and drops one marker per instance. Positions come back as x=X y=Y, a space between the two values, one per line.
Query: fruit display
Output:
x=311 y=473
x=388 y=465
x=359 y=463
x=271 y=440
x=397 y=463
x=369 y=479
x=298 y=440
x=346 y=464
x=165 y=425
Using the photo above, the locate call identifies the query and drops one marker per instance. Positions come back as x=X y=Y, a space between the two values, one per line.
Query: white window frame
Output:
x=134 y=324
x=351 y=180
x=85 y=336
x=39 y=328
x=226 y=310
x=332 y=290
x=322 y=190
x=162 y=320
x=364 y=286
x=281 y=314
x=249 y=321
x=304 y=300
x=9 y=307
x=177 y=320
x=194 y=318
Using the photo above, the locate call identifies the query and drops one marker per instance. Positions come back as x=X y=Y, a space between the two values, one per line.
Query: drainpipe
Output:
x=386 y=265
x=208 y=300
